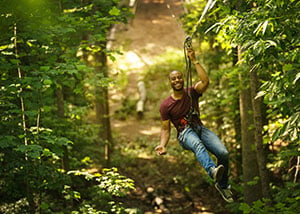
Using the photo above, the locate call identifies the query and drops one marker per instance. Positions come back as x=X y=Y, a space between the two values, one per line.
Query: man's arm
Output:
x=203 y=83
x=164 y=137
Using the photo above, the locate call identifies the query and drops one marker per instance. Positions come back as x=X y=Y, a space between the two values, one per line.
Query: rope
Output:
x=188 y=44
x=189 y=76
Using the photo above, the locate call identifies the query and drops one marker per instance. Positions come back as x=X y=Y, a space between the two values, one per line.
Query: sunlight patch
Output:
x=145 y=156
x=152 y=131
x=132 y=60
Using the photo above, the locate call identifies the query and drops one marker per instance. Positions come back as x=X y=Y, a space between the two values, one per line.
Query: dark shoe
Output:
x=217 y=172
x=225 y=193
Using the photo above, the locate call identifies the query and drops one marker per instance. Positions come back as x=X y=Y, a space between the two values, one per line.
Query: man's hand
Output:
x=191 y=54
x=161 y=150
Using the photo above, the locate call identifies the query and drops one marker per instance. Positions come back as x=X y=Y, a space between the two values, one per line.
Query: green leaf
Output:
x=297 y=78
x=3 y=47
x=81 y=67
x=254 y=181
x=264 y=27
x=114 y=11
x=44 y=206
x=47 y=82
x=15 y=61
x=32 y=151
x=245 y=208
x=258 y=204
x=29 y=43
x=260 y=94
x=45 y=68
x=271 y=43
x=77 y=195
x=47 y=152
x=288 y=67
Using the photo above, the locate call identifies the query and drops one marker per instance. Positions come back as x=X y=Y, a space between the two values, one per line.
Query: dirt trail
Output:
x=152 y=31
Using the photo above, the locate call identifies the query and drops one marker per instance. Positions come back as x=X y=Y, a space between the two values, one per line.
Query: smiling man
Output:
x=182 y=109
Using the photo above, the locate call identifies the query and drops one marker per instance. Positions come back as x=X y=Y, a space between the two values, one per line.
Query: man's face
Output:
x=176 y=80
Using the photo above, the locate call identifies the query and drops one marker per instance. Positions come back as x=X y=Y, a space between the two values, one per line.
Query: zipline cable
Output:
x=174 y=17
x=209 y=5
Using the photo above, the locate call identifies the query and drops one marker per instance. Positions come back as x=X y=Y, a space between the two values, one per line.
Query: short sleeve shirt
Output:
x=176 y=110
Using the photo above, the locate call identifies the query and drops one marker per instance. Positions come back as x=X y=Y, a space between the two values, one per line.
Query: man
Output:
x=191 y=133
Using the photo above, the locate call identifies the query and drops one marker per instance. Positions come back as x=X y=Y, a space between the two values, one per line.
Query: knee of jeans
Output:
x=198 y=146
x=224 y=154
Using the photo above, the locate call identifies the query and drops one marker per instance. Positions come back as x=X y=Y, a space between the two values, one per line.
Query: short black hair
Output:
x=174 y=71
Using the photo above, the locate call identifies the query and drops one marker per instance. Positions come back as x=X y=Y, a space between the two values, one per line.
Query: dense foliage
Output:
x=46 y=93
x=48 y=81
x=267 y=36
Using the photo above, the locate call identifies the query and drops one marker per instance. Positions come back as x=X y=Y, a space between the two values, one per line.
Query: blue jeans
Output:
x=200 y=140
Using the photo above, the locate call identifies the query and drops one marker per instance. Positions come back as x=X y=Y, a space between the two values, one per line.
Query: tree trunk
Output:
x=103 y=120
x=252 y=190
x=61 y=114
x=102 y=106
x=237 y=125
x=142 y=99
x=261 y=156
x=249 y=160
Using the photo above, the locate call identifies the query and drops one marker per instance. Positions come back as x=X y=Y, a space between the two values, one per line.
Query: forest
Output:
x=71 y=140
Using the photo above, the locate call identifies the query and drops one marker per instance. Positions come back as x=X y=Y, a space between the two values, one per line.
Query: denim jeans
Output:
x=200 y=140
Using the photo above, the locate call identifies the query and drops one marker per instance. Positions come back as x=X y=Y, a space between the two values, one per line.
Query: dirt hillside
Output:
x=151 y=32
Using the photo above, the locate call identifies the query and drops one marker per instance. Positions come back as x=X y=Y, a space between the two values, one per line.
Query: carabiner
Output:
x=188 y=42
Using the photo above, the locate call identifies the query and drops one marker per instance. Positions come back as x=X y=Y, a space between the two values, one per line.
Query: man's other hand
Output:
x=161 y=150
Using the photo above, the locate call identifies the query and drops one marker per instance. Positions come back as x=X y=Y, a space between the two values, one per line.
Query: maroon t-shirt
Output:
x=176 y=110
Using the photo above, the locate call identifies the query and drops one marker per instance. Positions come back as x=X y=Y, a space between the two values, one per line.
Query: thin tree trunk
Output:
x=237 y=124
x=249 y=160
x=252 y=189
x=103 y=120
x=101 y=99
x=102 y=106
x=29 y=191
x=61 y=114
x=257 y=114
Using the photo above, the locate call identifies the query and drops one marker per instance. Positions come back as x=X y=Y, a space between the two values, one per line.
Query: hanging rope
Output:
x=188 y=44
x=188 y=68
